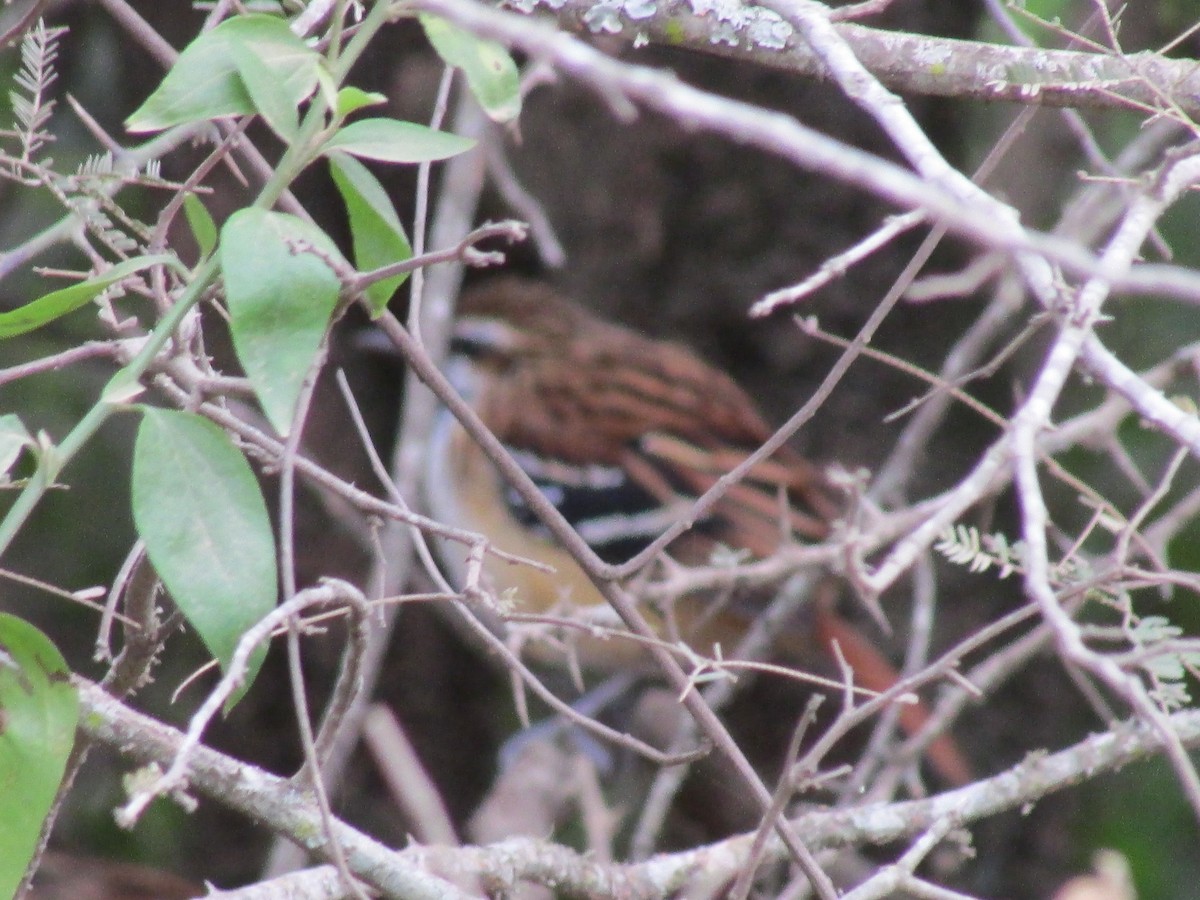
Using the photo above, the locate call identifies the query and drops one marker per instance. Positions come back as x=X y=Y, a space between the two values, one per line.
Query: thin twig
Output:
x=329 y=592
x=464 y=252
x=312 y=763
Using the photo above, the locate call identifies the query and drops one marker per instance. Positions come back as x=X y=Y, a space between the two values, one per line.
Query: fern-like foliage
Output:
x=89 y=194
x=102 y=168
x=1163 y=660
x=965 y=546
x=31 y=104
x=97 y=165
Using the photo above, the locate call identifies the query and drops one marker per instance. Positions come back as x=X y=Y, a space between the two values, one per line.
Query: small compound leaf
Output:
x=58 y=303
x=390 y=140
x=490 y=72
x=280 y=301
x=204 y=229
x=198 y=507
x=39 y=710
x=205 y=82
x=375 y=229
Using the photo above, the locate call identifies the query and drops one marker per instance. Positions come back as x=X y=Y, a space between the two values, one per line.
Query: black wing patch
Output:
x=616 y=516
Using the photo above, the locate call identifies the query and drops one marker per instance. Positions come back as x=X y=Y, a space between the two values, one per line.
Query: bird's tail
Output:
x=874 y=672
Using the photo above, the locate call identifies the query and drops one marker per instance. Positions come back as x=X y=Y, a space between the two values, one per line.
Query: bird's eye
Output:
x=483 y=339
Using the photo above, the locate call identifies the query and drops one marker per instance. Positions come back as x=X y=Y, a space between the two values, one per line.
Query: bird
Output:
x=621 y=432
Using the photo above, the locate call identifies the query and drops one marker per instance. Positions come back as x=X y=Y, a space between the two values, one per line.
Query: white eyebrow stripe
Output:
x=593 y=476
x=612 y=529
x=485 y=333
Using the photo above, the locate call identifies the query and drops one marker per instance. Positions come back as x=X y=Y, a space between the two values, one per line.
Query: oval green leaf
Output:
x=39 y=710
x=205 y=82
x=490 y=72
x=267 y=91
x=375 y=229
x=198 y=507
x=390 y=140
x=280 y=302
x=56 y=304
x=200 y=220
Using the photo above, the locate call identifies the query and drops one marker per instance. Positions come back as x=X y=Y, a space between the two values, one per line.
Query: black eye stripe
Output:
x=615 y=515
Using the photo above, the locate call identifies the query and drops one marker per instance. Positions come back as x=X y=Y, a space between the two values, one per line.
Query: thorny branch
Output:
x=248 y=789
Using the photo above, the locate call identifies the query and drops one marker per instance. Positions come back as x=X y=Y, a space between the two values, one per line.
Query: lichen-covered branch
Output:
x=267 y=798
x=913 y=63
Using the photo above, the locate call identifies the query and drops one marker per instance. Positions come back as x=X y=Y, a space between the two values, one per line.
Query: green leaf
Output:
x=351 y=99
x=390 y=140
x=198 y=507
x=206 y=83
x=266 y=91
x=491 y=74
x=280 y=302
x=56 y=304
x=39 y=710
x=14 y=437
x=375 y=229
x=204 y=229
